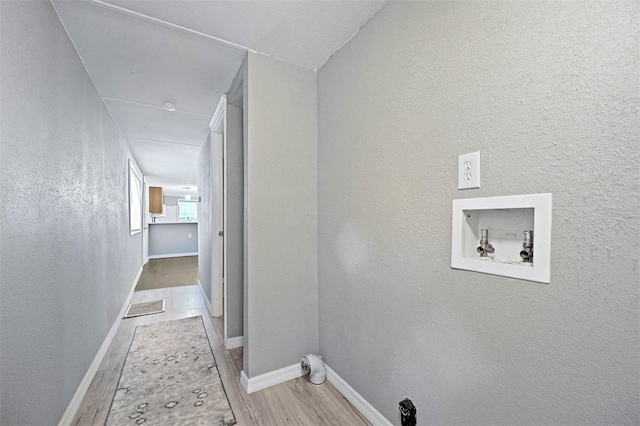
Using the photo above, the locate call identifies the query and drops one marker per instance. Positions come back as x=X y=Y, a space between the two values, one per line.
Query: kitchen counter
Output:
x=173 y=239
x=173 y=223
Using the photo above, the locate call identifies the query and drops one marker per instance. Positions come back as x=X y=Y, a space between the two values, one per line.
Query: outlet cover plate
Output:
x=469 y=170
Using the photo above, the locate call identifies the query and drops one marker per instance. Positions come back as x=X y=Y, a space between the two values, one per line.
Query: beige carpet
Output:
x=171 y=272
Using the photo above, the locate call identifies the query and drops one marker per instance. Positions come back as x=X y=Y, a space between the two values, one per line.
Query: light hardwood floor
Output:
x=296 y=402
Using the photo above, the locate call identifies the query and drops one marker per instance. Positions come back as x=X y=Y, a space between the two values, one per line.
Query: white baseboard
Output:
x=204 y=297
x=165 y=256
x=244 y=381
x=293 y=371
x=234 y=342
x=146 y=259
x=360 y=404
x=73 y=406
x=271 y=378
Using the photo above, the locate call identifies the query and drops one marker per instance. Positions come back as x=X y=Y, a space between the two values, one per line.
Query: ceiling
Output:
x=141 y=54
x=303 y=32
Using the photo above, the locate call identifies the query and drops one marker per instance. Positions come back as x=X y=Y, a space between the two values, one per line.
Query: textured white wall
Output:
x=281 y=191
x=548 y=92
x=66 y=257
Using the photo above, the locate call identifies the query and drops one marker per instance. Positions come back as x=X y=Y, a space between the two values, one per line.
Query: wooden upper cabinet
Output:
x=156 y=199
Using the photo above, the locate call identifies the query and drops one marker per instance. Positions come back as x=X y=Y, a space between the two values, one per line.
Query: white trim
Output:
x=360 y=404
x=217 y=121
x=159 y=178
x=75 y=402
x=204 y=297
x=131 y=168
x=271 y=378
x=225 y=266
x=234 y=342
x=217 y=247
x=165 y=256
x=236 y=84
x=462 y=235
x=153 y=106
x=169 y=25
x=244 y=381
x=145 y=220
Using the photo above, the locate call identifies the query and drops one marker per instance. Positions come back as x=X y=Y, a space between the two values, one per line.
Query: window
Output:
x=187 y=211
x=135 y=200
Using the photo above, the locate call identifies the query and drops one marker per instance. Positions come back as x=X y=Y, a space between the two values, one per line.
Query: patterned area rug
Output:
x=146 y=308
x=170 y=377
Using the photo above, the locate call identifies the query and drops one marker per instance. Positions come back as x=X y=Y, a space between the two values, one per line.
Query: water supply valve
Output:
x=527 y=247
x=485 y=248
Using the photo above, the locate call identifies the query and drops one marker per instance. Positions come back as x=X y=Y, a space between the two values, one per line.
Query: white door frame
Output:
x=145 y=220
x=236 y=85
x=223 y=104
x=219 y=195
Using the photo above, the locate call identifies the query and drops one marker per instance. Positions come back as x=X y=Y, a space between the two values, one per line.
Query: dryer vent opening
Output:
x=314 y=367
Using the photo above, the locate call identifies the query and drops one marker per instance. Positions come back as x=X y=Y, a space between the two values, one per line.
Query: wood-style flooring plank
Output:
x=296 y=402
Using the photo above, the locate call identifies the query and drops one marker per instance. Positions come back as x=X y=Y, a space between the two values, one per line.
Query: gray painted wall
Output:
x=282 y=214
x=66 y=256
x=235 y=221
x=171 y=238
x=204 y=217
x=548 y=92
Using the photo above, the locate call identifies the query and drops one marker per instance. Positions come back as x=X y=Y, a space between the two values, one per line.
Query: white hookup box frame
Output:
x=506 y=218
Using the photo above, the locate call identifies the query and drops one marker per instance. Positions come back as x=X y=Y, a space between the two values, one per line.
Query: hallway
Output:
x=324 y=143
x=295 y=402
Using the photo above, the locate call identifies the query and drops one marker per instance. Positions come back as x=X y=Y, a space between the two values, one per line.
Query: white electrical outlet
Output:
x=189 y=235
x=469 y=170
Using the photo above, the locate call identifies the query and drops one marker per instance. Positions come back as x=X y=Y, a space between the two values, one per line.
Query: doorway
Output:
x=224 y=174
x=235 y=209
